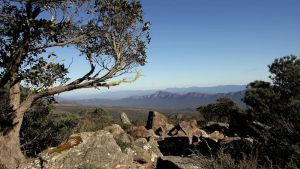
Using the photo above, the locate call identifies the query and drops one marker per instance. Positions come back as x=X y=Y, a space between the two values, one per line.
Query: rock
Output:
x=145 y=153
x=97 y=149
x=227 y=140
x=204 y=134
x=140 y=132
x=124 y=119
x=175 y=146
x=114 y=129
x=118 y=133
x=188 y=129
x=216 y=136
x=158 y=123
x=216 y=126
x=176 y=162
x=2 y=166
x=208 y=147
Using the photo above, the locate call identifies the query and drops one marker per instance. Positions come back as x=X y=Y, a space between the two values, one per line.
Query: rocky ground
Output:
x=159 y=144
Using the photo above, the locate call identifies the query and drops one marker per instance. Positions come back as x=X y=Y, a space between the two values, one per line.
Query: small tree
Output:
x=110 y=34
x=219 y=111
x=277 y=105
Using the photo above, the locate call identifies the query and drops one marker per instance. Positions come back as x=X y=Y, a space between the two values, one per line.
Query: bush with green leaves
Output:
x=219 y=111
x=95 y=120
x=42 y=129
x=277 y=104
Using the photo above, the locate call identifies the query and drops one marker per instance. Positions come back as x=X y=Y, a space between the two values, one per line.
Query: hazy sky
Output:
x=213 y=42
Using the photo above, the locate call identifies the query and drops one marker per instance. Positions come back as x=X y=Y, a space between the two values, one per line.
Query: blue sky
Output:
x=213 y=42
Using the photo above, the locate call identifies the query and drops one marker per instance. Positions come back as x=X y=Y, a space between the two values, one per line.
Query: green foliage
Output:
x=111 y=36
x=274 y=104
x=286 y=76
x=277 y=105
x=260 y=96
x=279 y=100
x=220 y=111
x=95 y=120
x=42 y=129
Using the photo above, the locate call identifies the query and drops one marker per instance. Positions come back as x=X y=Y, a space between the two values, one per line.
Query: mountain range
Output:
x=116 y=95
x=166 y=100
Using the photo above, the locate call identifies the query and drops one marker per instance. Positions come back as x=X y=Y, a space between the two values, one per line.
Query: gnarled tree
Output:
x=110 y=34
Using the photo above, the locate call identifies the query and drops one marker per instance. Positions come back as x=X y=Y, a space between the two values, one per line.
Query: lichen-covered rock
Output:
x=145 y=153
x=118 y=133
x=124 y=119
x=97 y=149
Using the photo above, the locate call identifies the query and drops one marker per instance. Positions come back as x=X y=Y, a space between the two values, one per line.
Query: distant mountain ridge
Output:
x=167 y=100
x=129 y=93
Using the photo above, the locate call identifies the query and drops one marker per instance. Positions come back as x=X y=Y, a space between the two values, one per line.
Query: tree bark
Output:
x=11 y=155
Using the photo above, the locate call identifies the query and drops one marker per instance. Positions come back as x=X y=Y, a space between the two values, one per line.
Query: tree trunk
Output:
x=10 y=150
x=11 y=155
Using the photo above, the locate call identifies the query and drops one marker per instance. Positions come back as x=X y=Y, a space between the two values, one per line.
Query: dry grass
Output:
x=225 y=161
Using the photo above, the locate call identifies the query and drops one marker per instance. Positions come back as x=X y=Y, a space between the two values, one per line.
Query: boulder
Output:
x=114 y=129
x=124 y=119
x=188 y=129
x=216 y=126
x=228 y=140
x=140 y=132
x=158 y=123
x=176 y=162
x=97 y=149
x=175 y=146
x=118 y=133
x=145 y=153
x=216 y=136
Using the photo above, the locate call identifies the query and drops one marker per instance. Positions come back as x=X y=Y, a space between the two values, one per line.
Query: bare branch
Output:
x=73 y=40
x=118 y=82
x=87 y=75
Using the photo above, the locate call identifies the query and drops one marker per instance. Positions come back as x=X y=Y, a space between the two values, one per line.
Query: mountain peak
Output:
x=162 y=94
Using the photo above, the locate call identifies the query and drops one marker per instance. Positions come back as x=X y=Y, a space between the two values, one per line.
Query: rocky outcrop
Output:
x=188 y=129
x=145 y=153
x=140 y=132
x=160 y=144
x=158 y=123
x=110 y=148
x=185 y=138
x=124 y=119
x=98 y=149
x=119 y=134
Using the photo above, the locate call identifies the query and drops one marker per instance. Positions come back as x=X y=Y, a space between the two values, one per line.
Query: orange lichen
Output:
x=69 y=143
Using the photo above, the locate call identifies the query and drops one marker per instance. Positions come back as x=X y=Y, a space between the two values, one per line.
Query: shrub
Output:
x=42 y=129
x=95 y=120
